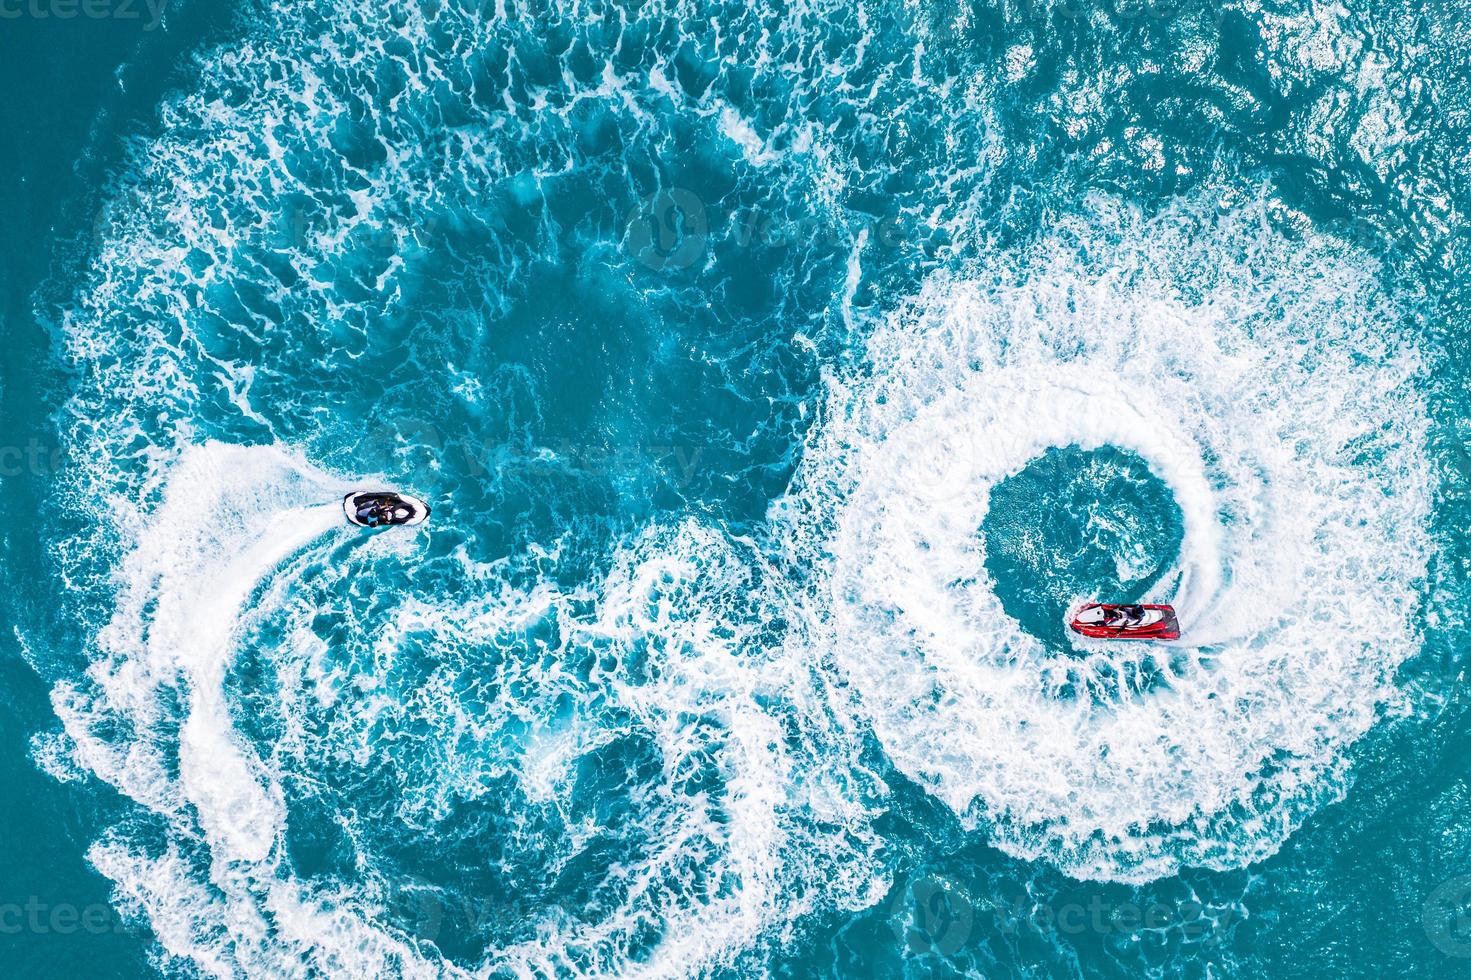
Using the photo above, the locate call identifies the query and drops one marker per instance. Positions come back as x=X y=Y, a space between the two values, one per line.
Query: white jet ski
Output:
x=384 y=508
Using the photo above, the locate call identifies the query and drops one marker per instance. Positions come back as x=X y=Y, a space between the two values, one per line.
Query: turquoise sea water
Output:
x=780 y=375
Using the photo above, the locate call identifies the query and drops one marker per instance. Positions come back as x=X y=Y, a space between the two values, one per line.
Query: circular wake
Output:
x=1077 y=523
x=538 y=737
x=1261 y=379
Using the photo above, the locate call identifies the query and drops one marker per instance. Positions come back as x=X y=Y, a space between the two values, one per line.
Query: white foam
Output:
x=740 y=132
x=55 y=755
x=682 y=595
x=1243 y=414
x=228 y=543
x=1262 y=381
x=221 y=529
x=230 y=517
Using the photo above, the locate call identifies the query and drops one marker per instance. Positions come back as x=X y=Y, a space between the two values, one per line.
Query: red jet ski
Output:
x=1105 y=621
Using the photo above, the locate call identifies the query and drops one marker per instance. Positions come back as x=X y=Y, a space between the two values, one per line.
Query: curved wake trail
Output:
x=1264 y=382
x=197 y=623
x=223 y=528
x=710 y=774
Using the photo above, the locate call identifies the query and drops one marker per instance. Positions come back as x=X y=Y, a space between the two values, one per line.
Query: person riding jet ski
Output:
x=384 y=508
x=1126 y=621
x=1123 y=617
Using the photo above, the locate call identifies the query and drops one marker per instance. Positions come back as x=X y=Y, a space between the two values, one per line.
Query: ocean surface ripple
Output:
x=738 y=348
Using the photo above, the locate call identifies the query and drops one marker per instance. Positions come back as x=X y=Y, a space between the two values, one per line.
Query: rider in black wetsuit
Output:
x=1124 y=616
x=381 y=509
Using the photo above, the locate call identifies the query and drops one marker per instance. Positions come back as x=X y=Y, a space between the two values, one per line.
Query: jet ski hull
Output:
x=1160 y=623
x=357 y=505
